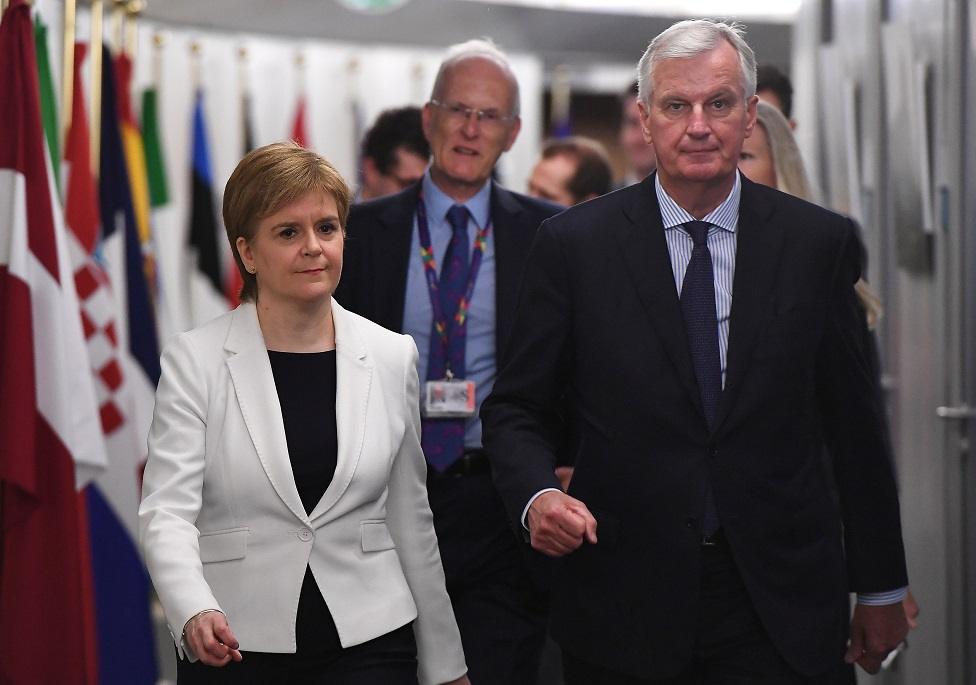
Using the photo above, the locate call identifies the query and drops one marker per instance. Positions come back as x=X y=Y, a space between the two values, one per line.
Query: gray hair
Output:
x=690 y=38
x=478 y=48
x=791 y=176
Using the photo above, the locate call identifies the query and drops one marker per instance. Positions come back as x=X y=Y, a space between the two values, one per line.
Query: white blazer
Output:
x=221 y=522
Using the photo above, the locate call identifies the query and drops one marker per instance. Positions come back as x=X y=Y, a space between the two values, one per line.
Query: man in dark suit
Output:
x=460 y=314
x=707 y=334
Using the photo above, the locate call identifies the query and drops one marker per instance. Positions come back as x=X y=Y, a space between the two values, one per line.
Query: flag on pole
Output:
x=203 y=219
x=298 y=130
x=155 y=161
x=234 y=282
x=166 y=316
x=122 y=590
x=135 y=162
x=49 y=112
x=247 y=124
x=42 y=561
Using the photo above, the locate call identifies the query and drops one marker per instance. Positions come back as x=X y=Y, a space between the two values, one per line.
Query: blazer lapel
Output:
x=353 y=376
x=645 y=253
x=250 y=370
x=393 y=258
x=759 y=245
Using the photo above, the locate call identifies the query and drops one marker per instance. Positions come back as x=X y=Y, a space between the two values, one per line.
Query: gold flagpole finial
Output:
x=118 y=26
x=159 y=41
x=243 y=54
x=133 y=8
x=196 y=53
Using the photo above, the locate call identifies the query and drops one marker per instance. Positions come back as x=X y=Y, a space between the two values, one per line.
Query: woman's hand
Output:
x=463 y=680
x=211 y=639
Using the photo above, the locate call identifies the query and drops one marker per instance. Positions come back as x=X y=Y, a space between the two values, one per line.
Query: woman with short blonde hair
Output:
x=284 y=518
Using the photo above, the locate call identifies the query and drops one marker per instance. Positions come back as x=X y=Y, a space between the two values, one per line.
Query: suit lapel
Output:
x=353 y=376
x=250 y=370
x=645 y=253
x=759 y=246
x=393 y=257
x=512 y=244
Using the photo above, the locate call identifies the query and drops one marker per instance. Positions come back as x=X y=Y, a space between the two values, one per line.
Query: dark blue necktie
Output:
x=443 y=439
x=701 y=326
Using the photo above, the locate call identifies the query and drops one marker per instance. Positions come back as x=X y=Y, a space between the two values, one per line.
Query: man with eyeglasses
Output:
x=442 y=261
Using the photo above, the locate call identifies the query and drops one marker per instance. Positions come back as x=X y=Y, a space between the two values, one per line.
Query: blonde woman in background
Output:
x=771 y=156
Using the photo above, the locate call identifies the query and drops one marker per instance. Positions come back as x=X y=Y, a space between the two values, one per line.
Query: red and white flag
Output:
x=47 y=403
x=299 y=132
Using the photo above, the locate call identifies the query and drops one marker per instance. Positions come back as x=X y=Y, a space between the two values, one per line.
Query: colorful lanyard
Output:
x=433 y=282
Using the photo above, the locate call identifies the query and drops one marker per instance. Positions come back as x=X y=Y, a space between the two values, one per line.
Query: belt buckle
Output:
x=713 y=540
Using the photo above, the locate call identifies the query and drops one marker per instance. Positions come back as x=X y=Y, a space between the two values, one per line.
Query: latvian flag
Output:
x=47 y=405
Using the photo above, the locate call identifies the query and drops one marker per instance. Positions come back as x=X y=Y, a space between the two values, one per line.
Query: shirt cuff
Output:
x=877 y=599
x=525 y=512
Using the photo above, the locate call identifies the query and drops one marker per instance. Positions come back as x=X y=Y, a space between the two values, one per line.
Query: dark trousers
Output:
x=320 y=659
x=500 y=612
x=731 y=646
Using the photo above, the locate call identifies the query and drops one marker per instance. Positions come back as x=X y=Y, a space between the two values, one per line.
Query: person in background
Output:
x=702 y=541
x=639 y=153
x=771 y=156
x=774 y=87
x=571 y=170
x=442 y=261
x=395 y=153
x=284 y=518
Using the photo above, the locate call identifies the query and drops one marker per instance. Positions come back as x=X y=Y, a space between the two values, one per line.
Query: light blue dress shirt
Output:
x=479 y=346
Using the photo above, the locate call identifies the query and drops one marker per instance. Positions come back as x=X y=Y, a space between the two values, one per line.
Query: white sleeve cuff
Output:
x=525 y=512
x=877 y=599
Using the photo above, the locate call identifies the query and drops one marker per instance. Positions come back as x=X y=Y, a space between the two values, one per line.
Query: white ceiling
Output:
x=558 y=36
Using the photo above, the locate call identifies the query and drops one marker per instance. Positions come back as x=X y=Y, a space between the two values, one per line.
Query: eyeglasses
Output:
x=460 y=112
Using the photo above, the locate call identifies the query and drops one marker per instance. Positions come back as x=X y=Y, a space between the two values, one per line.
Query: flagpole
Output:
x=97 y=10
x=118 y=17
x=133 y=9
x=159 y=42
x=68 y=66
x=242 y=75
x=300 y=70
x=195 y=50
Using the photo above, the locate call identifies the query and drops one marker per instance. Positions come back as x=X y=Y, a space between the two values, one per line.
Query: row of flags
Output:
x=79 y=358
x=80 y=299
x=78 y=366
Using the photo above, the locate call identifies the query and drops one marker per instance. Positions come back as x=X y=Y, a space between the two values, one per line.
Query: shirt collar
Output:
x=726 y=215
x=438 y=202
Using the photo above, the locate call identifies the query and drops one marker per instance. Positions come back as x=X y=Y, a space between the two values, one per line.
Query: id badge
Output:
x=451 y=398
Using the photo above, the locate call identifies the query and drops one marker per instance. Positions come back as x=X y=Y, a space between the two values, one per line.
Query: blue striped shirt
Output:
x=721 y=245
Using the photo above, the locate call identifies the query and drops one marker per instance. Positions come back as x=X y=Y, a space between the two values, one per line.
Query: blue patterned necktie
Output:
x=443 y=439
x=701 y=326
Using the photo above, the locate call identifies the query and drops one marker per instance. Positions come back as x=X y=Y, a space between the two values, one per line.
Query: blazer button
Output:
x=304 y=535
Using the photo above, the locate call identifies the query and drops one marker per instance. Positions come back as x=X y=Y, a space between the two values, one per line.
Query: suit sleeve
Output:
x=172 y=489
x=854 y=428
x=439 y=652
x=523 y=420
